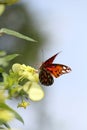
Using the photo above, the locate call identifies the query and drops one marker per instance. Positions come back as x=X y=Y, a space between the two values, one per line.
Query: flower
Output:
x=23 y=104
x=31 y=87
x=27 y=72
x=34 y=91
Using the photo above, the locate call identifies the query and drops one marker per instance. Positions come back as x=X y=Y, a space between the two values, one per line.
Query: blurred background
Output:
x=57 y=26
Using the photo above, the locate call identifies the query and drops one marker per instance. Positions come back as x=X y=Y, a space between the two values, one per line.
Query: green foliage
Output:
x=6 y=113
x=4 y=107
x=16 y=34
x=4 y=58
x=21 y=82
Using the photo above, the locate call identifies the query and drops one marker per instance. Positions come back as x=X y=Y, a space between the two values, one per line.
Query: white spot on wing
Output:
x=64 y=67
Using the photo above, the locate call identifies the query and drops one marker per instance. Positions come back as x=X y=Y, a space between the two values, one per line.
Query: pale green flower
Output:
x=30 y=87
x=35 y=92
x=26 y=72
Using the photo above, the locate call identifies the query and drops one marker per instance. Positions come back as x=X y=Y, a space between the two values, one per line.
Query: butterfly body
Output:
x=48 y=69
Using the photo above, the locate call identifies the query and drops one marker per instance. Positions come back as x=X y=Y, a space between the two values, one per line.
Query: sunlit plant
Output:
x=21 y=81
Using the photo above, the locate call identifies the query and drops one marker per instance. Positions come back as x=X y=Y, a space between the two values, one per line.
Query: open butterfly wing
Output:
x=58 y=69
x=48 y=70
x=50 y=60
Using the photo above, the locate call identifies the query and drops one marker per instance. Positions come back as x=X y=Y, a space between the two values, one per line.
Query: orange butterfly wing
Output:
x=48 y=70
x=58 y=69
x=49 y=61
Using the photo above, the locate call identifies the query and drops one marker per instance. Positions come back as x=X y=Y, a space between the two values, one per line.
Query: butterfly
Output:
x=48 y=69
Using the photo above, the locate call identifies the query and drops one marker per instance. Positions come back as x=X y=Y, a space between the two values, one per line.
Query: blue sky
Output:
x=64 y=23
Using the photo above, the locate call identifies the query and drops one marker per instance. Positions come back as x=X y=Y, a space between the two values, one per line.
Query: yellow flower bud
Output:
x=23 y=104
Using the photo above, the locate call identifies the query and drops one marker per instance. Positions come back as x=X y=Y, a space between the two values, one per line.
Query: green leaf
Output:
x=16 y=34
x=17 y=116
x=4 y=61
x=10 y=57
x=6 y=125
x=2 y=53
